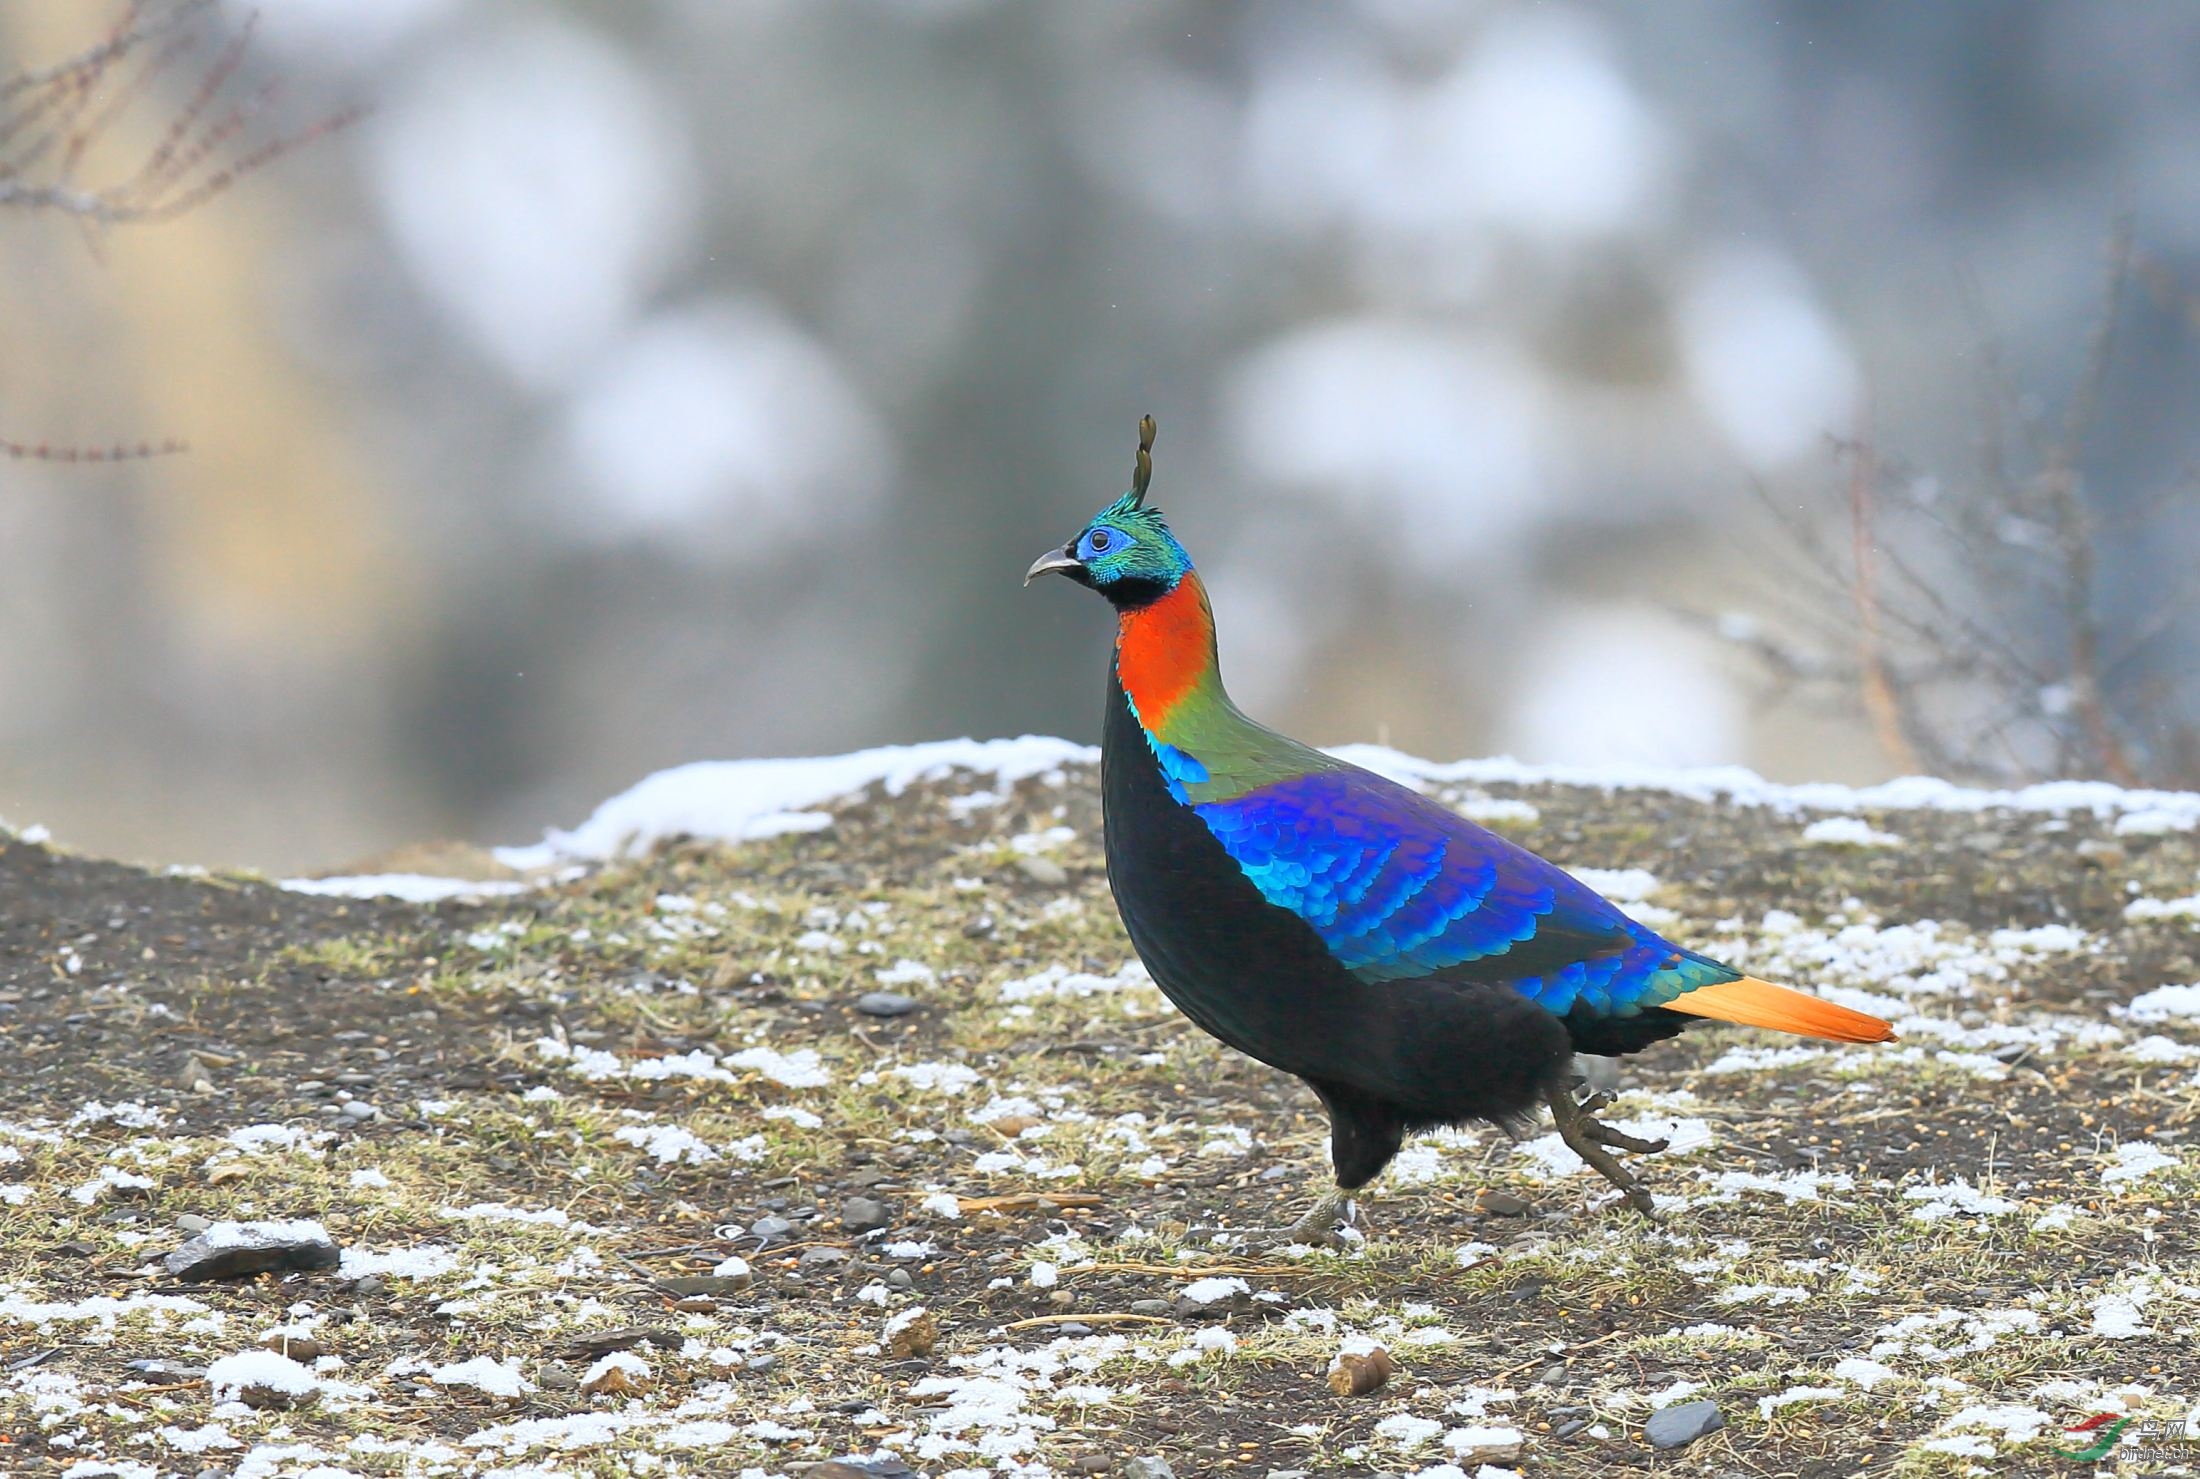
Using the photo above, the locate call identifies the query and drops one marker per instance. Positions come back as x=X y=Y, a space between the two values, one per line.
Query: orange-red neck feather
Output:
x=1165 y=650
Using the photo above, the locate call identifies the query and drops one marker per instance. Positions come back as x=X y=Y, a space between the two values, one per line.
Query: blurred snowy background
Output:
x=649 y=382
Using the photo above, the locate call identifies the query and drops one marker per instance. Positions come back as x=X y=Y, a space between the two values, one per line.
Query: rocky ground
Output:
x=872 y=1141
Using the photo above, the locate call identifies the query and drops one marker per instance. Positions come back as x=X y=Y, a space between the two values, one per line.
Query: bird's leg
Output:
x=1334 y=1211
x=1586 y=1137
x=1323 y=1220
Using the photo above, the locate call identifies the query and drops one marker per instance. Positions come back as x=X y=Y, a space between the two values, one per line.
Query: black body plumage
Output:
x=1386 y=1058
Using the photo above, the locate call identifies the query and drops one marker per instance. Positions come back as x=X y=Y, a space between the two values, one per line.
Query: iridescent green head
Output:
x=1127 y=552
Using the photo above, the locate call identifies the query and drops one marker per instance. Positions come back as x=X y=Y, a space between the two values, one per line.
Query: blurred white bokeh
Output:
x=1765 y=363
x=346 y=35
x=1607 y=685
x=536 y=184
x=721 y=432
x=1426 y=441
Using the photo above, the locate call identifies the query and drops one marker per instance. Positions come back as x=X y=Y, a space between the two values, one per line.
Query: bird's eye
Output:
x=1100 y=540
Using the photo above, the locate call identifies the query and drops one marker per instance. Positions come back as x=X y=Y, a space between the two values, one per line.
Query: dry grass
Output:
x=508 y=1053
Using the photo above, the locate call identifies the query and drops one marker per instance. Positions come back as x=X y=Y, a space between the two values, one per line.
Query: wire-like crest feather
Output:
x=1142 y=475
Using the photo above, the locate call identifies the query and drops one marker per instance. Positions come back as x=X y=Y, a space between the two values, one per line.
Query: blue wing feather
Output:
x=1398 y=886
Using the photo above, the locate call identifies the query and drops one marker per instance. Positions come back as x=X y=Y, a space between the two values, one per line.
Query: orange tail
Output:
x=1754 y=1003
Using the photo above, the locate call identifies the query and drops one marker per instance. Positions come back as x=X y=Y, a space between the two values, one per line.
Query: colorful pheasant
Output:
x=1413 y=968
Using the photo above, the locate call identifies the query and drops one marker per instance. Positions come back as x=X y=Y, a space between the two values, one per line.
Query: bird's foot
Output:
x=1325 y=1222
x=1587 y=1137
x=1325 y=1225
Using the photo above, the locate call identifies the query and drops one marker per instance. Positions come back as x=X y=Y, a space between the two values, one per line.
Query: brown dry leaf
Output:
x=614 y=1381
x=1355 y=1373
x=1026 y=1201
x=913 y=1337
x=303 y=1349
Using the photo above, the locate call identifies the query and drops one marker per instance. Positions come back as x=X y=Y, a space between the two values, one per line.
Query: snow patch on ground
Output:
x=1620 y=885
x=1847 y=832
x=1925 y=957
x=1552 y=1160
x=1941 y=1200
x=232 y=1376
x=484 y=1373
x=2166 y=1004
x=2141 y=910
x=2136 y=1160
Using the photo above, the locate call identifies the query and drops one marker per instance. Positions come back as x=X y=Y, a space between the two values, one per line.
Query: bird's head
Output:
x=1127 y=552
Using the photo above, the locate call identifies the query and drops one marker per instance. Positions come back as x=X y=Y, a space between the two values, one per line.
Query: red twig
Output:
x=118 y=452
x=1881 y=705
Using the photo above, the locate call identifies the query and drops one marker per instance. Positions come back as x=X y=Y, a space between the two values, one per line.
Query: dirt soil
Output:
x=1023 y=1224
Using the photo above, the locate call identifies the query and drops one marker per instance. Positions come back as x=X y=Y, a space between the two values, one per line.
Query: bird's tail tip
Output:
x=1749 y=1002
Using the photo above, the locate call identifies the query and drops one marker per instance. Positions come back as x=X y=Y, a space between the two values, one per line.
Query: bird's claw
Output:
x=1604 y=1134
x=1587 y=1137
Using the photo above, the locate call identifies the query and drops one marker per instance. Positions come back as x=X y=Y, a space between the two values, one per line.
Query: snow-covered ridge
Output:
x=2134 y=810
x=417 y=888
x=741 y=800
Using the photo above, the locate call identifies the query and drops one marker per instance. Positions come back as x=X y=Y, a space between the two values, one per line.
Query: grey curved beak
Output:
x=1053 y=562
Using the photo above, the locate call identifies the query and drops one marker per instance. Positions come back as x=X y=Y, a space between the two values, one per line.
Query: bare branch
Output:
x=119 y=452
x=51 y=118
x=1877 y=682
x=1970 y=630
x=2074 y=529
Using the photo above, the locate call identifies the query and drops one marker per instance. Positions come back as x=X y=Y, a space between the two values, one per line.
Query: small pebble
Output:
x=192 y=1222
x=1043 y=871
x=1148 y=1468
x=856 y=1468
x=359 y=1109
x=885 y=1004
x=706 y=1286
x=768 y=1228
x=253 y=1248
x=900 y=1278
x=865 y=1214
x=1682 y=1424
x=167 y=1370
